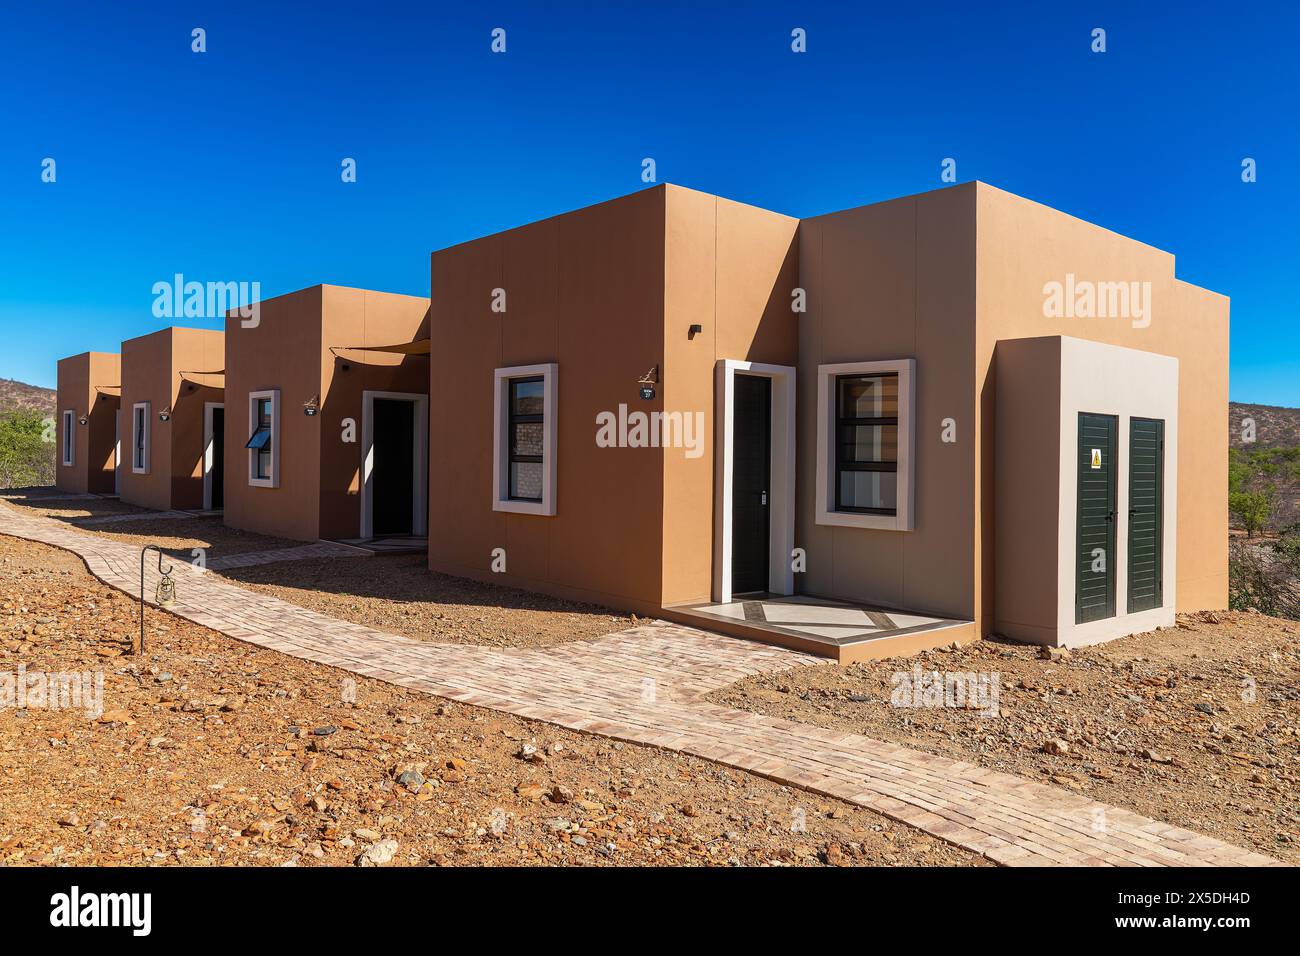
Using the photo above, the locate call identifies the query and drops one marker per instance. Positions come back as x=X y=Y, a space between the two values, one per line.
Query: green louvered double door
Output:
x=1096 y=517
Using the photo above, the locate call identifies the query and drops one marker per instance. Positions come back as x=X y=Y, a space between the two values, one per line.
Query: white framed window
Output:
x=523 y=438
x=69 y=436
x=264 y=438
x=865 y=438
x=140 y=431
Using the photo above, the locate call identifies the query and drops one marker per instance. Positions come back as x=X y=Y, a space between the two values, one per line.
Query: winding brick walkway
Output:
x=646 y=685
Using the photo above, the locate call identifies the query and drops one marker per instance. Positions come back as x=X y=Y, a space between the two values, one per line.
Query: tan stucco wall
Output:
x=79 y=379
x=731 y=269
x=289 y=349
x=282 y=351
x=1026 y=506
x=608 y=293
x=151 y=367
x=1023 y=245
x=584 y=290
x=896 y=280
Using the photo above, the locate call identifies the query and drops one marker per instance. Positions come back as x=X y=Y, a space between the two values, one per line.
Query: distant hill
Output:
x=1274 y=426
x=14 y=394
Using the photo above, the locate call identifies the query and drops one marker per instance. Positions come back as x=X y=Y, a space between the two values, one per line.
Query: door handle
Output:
x=764 y=497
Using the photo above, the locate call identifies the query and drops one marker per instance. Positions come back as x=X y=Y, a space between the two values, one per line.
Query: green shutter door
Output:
x=1095 y=519
x=1146 y=503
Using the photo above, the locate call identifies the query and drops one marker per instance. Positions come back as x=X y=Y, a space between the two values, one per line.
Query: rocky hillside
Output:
x=15 y=394
x=1274 y=426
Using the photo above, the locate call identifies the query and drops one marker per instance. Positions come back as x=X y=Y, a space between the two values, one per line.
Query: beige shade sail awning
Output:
x=109 y=390
x=418 y=347
x=215 y=379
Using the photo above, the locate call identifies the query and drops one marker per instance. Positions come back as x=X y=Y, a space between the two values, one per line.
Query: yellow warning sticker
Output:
x=1096 y=458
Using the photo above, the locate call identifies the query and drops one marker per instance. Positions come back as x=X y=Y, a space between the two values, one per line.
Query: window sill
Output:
x=853 y=519
x=261 y=482
x=523 y=507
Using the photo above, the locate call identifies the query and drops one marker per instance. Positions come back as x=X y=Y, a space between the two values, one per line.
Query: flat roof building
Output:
x=327 y=390
x=88 y=396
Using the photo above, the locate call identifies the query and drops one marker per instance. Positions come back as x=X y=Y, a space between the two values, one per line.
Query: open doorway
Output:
x=754 y=480
x=394 y=482
x=214 y=456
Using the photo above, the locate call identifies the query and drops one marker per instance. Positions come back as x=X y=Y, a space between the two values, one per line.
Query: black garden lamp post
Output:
x=164 y=596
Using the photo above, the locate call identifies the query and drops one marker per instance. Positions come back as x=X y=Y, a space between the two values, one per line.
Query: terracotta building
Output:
x=327 y=390
x=89 y=390
x=919 y=421
x=171 y=423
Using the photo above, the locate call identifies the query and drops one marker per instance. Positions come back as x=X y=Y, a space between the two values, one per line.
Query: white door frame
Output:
x=117 y=451
x=781 y=494
x=207 y=452
x=419 y=465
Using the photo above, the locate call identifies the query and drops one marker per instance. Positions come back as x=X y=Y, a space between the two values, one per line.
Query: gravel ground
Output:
x=210 y=751
x=1198 y=725
x=399 y=594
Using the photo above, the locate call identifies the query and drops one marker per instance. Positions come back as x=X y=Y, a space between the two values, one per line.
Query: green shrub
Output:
x=1253 y=508
x=26 y=449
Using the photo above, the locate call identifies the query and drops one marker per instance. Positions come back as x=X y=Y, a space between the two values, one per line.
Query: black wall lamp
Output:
x=83 y=420
x=312 y=407
x=165 y=415
x=693 y=331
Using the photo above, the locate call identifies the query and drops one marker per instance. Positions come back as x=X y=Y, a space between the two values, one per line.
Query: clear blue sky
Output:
x=225 y=165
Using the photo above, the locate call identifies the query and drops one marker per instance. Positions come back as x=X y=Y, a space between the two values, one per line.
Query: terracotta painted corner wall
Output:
x=357 y=317
x=584 y=290
x=1026 y=503
x=731 y=269
x=1023 y=246
x=283 y=351
x=896 y=280
x=1203 y=450
x=80 y=380
x=193 y=350
x=148 y=375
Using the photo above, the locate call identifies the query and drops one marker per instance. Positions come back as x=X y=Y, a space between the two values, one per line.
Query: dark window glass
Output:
x=141 y=421
x=260 y=441
x=526 y=428
x=866 y=446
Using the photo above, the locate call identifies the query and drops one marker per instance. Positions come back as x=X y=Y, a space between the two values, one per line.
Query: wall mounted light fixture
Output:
x=693 y=331
x=312 y=407
x=165 y=415
x=83 y=420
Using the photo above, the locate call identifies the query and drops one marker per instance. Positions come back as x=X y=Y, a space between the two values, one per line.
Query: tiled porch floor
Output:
x=820 y=619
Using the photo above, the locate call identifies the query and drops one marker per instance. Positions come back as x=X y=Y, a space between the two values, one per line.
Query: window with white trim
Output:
x=69 y=436
x=264 y=438
x=140 y=438
x=524 y=429
x=865 y=437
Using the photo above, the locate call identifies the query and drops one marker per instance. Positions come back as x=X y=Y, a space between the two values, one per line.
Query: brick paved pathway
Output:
x=321 y=549
x=646 y=685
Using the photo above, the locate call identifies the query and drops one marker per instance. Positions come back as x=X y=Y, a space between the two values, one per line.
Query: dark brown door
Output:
x=392 y=478
x=218 y=474
x=751 y=468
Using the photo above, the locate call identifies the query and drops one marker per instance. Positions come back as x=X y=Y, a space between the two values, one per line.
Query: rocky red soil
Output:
x=210 y=751
x=1198 y=725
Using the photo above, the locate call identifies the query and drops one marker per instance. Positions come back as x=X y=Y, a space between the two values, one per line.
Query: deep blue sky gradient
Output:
x=225 y=165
